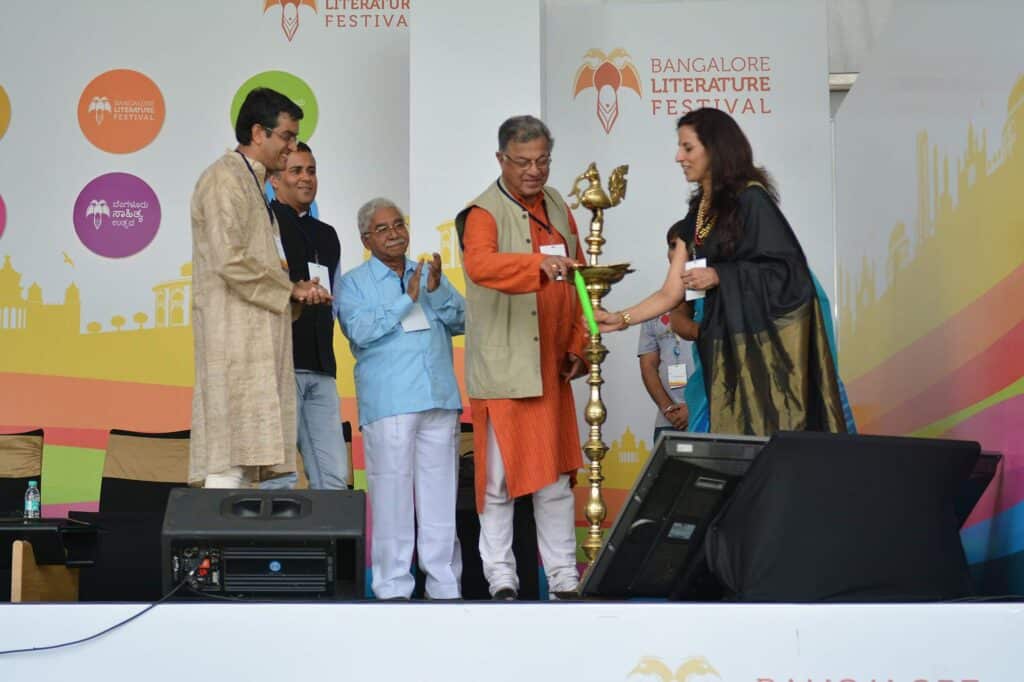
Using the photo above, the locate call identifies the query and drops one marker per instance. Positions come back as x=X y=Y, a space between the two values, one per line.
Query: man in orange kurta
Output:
x=524 y=321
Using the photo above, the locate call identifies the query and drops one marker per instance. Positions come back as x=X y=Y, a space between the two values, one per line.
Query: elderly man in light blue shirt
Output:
x=399 y=321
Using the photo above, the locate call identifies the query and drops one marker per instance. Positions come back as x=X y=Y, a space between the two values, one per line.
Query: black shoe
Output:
x=505 y=594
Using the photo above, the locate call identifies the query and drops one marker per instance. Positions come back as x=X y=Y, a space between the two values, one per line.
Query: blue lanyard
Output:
x=676 y=351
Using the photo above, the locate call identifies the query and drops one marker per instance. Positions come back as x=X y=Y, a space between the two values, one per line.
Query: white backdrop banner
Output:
x=617 y=76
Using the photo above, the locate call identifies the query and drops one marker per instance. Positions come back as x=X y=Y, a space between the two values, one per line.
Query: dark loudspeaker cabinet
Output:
x=266 y=544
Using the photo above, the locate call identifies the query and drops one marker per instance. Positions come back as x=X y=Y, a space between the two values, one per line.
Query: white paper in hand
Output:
x=694 y=294
x=316 y=270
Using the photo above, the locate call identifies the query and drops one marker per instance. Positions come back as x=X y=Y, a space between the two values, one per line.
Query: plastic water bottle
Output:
x=32 y=499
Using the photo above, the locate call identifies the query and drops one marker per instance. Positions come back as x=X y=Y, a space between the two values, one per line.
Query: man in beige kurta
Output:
x=243 y=406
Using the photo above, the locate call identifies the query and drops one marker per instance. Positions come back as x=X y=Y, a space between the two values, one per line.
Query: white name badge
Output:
x=694 y=294
x=415 y=320
x=677 y=375
x=553 y=249
x=319 y=271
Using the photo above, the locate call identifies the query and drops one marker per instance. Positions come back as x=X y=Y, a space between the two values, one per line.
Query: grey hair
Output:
x=523 y=129
x=366 y=211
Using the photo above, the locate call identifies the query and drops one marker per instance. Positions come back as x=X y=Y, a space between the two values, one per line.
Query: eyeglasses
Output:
x=288 y=137
x=383 y=228
x=542 y=163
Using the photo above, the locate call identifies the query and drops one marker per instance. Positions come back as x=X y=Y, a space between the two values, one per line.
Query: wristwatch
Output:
x=626 y=318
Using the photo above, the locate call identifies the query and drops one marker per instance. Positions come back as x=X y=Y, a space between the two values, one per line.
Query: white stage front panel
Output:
x=513 y=642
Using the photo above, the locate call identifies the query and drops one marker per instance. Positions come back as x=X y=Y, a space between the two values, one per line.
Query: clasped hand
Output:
x=311 y=292
x=678 y=415
x=433 y=277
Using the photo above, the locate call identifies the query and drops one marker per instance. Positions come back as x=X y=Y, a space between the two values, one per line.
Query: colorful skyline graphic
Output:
x=937 y=352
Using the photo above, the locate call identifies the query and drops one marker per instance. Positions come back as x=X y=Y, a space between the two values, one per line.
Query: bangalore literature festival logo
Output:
x=606 y=74
x=693 y=669
x=292 y=87
x=289 y=14
x=116 y=215
x=338 y=14
x=98 y=105
x=121 y=111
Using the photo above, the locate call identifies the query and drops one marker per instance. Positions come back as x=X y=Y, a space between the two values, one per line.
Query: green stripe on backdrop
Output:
x=71 y=474
x=359 y=479
x=936 y=429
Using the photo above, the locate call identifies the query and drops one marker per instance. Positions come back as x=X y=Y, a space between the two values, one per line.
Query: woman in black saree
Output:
x=764 y=343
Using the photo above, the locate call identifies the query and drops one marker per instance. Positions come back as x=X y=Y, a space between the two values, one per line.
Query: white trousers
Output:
x=232 y=477
x=554 y=512
x=412 y=476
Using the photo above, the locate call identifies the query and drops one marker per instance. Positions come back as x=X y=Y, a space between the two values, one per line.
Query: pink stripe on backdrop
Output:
x=56 y=435
x=78 y=438
x=1000 y=429
x=962 y=336
x=52 y=511
x=998 y=366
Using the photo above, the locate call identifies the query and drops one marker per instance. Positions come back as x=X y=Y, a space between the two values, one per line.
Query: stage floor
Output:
x=473 y=641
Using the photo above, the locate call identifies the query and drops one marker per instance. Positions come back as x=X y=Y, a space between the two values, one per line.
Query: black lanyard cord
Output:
x=511 y=198
x=259 y=187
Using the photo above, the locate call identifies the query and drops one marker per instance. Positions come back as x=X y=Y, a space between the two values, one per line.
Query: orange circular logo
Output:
x=121 y=111
x=5 y=111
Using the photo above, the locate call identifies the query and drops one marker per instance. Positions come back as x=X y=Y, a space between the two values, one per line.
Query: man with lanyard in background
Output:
x=312 y=250
x=665 y=353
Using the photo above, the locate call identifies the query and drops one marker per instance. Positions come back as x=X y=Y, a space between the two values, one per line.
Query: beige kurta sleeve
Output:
x=223 y=204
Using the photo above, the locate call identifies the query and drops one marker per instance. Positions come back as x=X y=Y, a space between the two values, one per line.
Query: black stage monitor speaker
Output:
x=657 y=536
x=305 y=544
x=827 y=517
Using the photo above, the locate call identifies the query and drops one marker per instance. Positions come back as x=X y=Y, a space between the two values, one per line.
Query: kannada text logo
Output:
x=116 y=215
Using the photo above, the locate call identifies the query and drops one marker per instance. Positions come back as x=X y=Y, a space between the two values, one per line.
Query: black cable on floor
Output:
x=50 y=647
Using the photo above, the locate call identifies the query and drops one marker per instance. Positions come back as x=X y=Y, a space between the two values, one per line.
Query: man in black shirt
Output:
x=313 y=252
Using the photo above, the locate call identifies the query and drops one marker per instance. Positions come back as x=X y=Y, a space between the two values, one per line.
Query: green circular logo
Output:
x=292 y=87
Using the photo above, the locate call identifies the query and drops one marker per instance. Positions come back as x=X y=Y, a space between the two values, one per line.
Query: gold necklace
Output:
x=703 y=226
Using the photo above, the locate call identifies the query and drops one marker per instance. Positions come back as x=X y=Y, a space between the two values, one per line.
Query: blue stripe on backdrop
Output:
x=995 y=538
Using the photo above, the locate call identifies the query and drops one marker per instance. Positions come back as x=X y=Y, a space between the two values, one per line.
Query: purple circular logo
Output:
x=3 y=216
x=116 y=215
